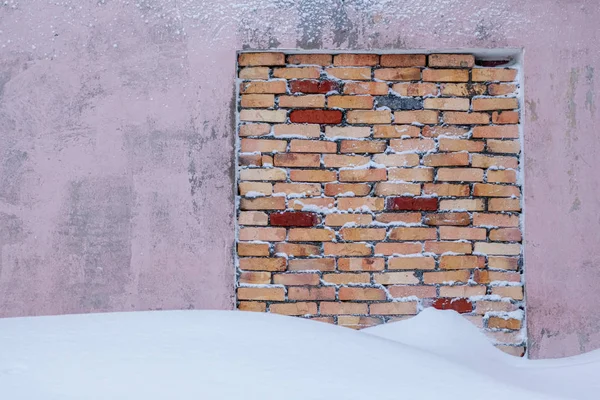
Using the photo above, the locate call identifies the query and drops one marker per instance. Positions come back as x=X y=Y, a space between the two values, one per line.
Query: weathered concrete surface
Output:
x=116 y=140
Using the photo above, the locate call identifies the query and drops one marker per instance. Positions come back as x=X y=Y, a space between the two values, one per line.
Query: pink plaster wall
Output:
x=116 y=137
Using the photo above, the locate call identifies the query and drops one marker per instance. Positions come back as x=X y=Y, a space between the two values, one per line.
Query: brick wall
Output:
x=372 y=186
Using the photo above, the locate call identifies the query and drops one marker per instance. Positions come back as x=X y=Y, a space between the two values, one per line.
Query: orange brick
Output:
x=355 y=74
x=312 y=264
x=263 y=203
x=504 y=276
x=254 y=73
x=254 y=277
x=501 y=89
x=493 y=75
x=361 y=203
x=297 y=73
x=297 y=160
x=297 y=250
x=299 y=308
x=307 y=130
x=413 y=234
x=254 y=218
x=313 y=146
x=305 y=189
x=465 y=118
x=441 y=277
x=397 y=160
x=403 y=60
x=310 y=235
x=253 y=249
x=261 y=293
x=398 y=74
x=452 y=60
x=356 y=60
x=462 y=291
x=346 y=249
x=415 y=89
x=395 y=278
x=445 y=247
x=489 y=190
x=505 y=117
x=485 y=306
x=447 y=131
x=363 y=175
x=501 y=323
x=506 y=235
x=446 y=103
x=418 y=116
x=460 y=175
x=409 y=145
x=396 y=308
x=350 y=102
x=457 y=233
x=496 y=132
x=504 y=205
x=498 y=249
x=502 y=176
x=405 y=218
x=422 y=292
x=255 y=129
x=270 y=174
x=411 y=263
x=321 y=202
x=263 y=115
x=330 y=308
x=296 y=279
x=395 y=131
x=361 y=293
x=446 y=189
x=390 y=249
x=310 y=175
x=462 y=262
x=513 y=292
x=462 y=89
x=257 y=100
x=399 y=189
x=345 y=279
x=360 y=264
x=446 y=159
x=363 y=146
x=258 y=187
x=460 y=145
x=274 y=87
x=509 y=263
x=462 y=205
x=254 y=306
x=339 y=161
x=263 y=145
x=411 y=174
x=494 y=103
x=307 y=101
x=376 y=88
x=358 y=321
x=436 y=219
x=369 y=117
x=495 y=220
x=445 y=75
x=358 y=234
x=335 y=189
x=253 y=59
x=310 y=59
x=266 y=160
x=484 y=161
x=311 y=293
x=266 y=234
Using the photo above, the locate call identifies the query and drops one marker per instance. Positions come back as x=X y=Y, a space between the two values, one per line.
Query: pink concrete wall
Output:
x=116 y=140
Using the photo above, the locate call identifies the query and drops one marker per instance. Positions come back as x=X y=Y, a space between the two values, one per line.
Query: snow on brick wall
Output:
x=372 y=186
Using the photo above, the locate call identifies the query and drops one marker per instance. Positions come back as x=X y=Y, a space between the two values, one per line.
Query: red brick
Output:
x=316 y=116
x=403 y=60
x=411 y=204
x=313 y=86
x=294 y=219
x=460 y=305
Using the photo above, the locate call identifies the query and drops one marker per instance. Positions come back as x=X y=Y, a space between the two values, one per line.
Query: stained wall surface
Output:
x=117 y=128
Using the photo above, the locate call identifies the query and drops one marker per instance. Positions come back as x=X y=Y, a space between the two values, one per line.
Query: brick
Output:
x=413 y=263
x=504 y=205
x=516 y=351
x=466 y=118
x=294 y=219
x=266 y=160
x=398 y=74
x=404 y=218
x=363 y=175
x=316 y=116
x=298 y=189
x=306 y=101
x=446 y=159
x=297 y=160
x=460 y=305
x=441 y=219
x=310 y=175
x=415 y=89
x=347 y=131
x=501 y=323
x=310 y=279
x=321 y=202
x=361 y=294
x=418 y=116
x=363 y=146
x=307 y=130
x=266 y=234
x=513 y=292
x=493 y=75
x=505 y=117
x=360 y=264
x=369 y=117
x=446 y=247
x=447 y=131
x=274 y=87
x=345 y=279
x=413 y=234
x=254 y=129
x=312 y=264
x=253 y=249
x=358 y=322
x=327 y=320
x=502 y=176
x=330 y=308
x=412 y=145
x=310 y=59
x=358 y=234
x=498 y=249
x=446 y=190
x=254 y=306
x=501 y=89
x=355 y=74
x=350 y=102
x=297 y=73
x=376 y=88
x=443 y=103
x=263 y=115
x=506 y=235
x=310 y=235
x=462 y=89
x=456 y=233
x=311 y=293
x=336 y=189
x=403 y=60
x=462 y=291
x=496 y=132
x=390 y=249
x=485 y=306
x=297 y=250
x=253 y=218
x=490 y=104
x=257 y=187
x=462 y=205
x=261 y=293
x=299 y=308
x=397 y=160
x=254 y=59
x=397 y=189
x=504 y=276
x=411 y=204
x=254 y=73
x=254 y=160
x=356 y=60
x=263 y=145
x=441 y=277
x=271 y=174
x=509 y=263
x=396 y=308
x=460 y=175
x=490 y=190
x=257 y=100
x=451 y=60
x=422 y=292
x=472 y=146
x=462 y=262
x=395 y=278
x=263 y=203
x=495 y=220
x=346 y=249
x=313 y=86
x=445 y=75
x=255 y=277
x=411 y=174
x=312 y=146
x=361 y=203
x=391 y=131
x=481 y=276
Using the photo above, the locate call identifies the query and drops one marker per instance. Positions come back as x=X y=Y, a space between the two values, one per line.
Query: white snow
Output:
x=229 y=355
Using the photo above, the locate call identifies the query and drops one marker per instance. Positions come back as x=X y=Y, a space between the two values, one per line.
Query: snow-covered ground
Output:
x=233 y=355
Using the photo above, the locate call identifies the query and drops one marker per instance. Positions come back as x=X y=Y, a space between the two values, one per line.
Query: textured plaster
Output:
x=116 y=144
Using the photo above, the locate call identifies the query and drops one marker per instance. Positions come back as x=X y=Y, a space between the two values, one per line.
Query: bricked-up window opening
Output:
x=374 y=185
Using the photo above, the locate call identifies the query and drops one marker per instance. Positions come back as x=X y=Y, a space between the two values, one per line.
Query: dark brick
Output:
x=294 y=219
x=455 y=219
x=461 y=305
x=398 y=103
x=412 y=204
x=491 y=63
x=251 y=160
x=313 y=86
x=481 y=276
x=316 y=116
